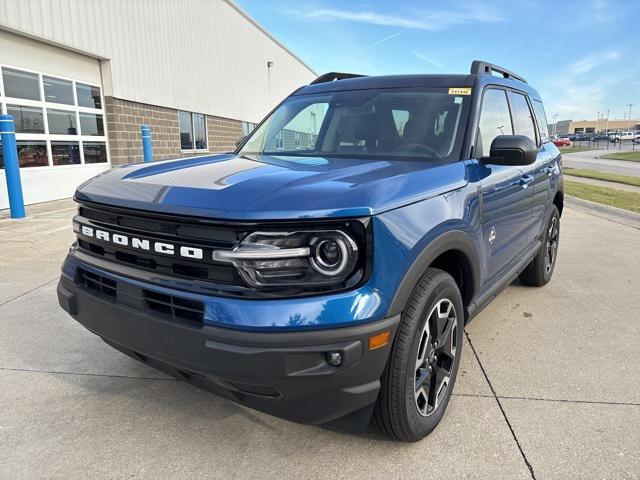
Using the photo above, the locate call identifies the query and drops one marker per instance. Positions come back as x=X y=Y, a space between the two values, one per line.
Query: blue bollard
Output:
x=12 y=166
x=147 y=151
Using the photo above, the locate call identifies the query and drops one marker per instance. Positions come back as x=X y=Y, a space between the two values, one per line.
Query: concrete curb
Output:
x=614 y=214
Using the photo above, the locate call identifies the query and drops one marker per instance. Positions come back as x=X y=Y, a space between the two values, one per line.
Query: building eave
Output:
x=249 y=18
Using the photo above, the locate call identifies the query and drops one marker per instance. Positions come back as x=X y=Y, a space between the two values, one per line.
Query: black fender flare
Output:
x=450 y=240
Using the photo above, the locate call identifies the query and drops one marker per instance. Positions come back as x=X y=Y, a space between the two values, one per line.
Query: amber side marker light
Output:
x=379 y=339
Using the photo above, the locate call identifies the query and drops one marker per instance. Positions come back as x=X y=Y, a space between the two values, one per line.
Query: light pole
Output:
x=629 y=105
x=606 y=126
x=555 y=123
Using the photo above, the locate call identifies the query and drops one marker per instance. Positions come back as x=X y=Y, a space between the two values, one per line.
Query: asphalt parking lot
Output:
x=592 y=160
x=549 y=389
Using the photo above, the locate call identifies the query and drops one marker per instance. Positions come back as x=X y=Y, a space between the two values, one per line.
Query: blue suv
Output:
x=325 y=270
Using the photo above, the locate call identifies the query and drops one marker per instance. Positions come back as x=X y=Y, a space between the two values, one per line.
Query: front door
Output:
x=506 y=194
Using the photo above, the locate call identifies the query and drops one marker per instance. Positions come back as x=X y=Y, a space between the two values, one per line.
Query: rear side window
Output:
x=494 y=120
x=522 y=118
x=541 y=118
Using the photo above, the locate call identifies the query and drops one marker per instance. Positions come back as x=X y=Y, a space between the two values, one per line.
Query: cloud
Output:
x=580 y=90
x=592 y=61
x=427 y=59
x=430 y=19
x=381 y=41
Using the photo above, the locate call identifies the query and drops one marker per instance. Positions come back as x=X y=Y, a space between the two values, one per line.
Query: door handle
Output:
x=550 y=170
x=526 y=180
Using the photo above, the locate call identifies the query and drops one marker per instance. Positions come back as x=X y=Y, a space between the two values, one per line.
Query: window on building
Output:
x=88 y=96
x=91 y=124
x=26 y=119
x=280 y=140
x=522 y=117
x=57 y=90
x=186 y=131
x=247 y=127
x=193 y=131
x=95 y=152
x=200 y=131
x=62 y=122
x=59 y=128
x=32 y=154
x=19 y=84
x=494 y=120
x=65 y=153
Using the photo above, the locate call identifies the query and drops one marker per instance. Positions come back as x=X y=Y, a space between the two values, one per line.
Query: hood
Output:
x=271 y=188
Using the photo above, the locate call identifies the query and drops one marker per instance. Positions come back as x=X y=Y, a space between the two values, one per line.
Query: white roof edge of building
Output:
x=242 y=12
x=65 y=46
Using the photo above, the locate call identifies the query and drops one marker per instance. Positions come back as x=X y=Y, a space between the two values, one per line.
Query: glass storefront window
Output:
x=186 y=131
x=91 y=124
x=62 y=122
x=26 y=119
x=32 y=153
x=200 y=131
x=19 y=84
x=57 y=90
x=95 y=152
x=88 y=96
x=65 y=153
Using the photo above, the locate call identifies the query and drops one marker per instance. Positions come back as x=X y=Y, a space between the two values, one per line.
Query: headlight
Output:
x=298 y=258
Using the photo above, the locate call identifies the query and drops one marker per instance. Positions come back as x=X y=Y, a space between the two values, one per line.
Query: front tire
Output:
x=421 y=372
x=540 y=270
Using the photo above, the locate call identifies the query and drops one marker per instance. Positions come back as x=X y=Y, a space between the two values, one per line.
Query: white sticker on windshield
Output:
x=457 y=100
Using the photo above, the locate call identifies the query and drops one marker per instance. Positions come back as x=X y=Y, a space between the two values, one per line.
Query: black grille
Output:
x=97 y=283
x=178 y=308
x=179 y=231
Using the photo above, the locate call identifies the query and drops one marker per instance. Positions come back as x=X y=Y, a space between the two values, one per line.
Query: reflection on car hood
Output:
x=271 y=187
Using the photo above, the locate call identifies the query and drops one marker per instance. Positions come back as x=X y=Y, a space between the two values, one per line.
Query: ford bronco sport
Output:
x=325 y=270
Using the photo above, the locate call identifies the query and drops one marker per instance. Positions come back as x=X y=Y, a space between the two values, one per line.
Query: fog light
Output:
x=334 y=359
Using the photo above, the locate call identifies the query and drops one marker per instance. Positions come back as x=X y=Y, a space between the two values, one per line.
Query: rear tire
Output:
x=540 y=270
x=421 y=372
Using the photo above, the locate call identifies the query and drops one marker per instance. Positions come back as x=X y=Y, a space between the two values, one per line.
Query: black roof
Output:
x=483 y=73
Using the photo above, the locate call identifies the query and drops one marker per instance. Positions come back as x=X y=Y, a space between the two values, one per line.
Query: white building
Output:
x=81 y=76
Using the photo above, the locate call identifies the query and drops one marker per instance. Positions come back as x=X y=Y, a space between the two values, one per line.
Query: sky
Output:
x=582 y=56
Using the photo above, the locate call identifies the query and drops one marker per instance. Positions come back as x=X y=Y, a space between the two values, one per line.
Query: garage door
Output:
x=58 y=110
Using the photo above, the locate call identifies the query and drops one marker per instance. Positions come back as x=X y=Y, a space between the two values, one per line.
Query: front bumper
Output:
x=281 y=373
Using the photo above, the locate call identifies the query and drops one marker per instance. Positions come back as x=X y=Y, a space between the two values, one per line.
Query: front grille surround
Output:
x=177 y=308
x=196 y=276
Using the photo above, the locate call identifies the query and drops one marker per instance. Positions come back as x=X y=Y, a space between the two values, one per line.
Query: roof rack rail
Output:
x=332 y=76
x=486 y=68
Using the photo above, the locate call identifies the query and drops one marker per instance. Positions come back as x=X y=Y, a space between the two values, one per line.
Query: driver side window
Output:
x=494 y=120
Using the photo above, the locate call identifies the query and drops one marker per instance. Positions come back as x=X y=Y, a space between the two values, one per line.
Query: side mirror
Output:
x=240 y=140
x=512 y=150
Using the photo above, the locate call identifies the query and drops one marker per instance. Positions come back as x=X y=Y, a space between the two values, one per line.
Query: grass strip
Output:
x=629 y=156
x=606 y=196
x=574 y=149
x=605 y=176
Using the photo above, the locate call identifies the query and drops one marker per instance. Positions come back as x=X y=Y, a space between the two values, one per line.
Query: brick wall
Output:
x=125 y=144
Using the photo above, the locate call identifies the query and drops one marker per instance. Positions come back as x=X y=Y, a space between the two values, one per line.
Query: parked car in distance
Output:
x=599 y=137
x=561 y=142
x=580 y=137
x=324 y=271
x=622 y=136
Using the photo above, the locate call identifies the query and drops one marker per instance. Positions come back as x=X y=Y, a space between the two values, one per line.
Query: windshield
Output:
x=421 y=124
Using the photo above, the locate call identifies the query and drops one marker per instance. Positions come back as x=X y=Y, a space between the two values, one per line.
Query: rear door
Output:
x=507 y=200
x=545 y=169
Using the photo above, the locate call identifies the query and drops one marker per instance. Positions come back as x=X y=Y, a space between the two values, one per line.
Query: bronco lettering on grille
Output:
x=142 y=244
